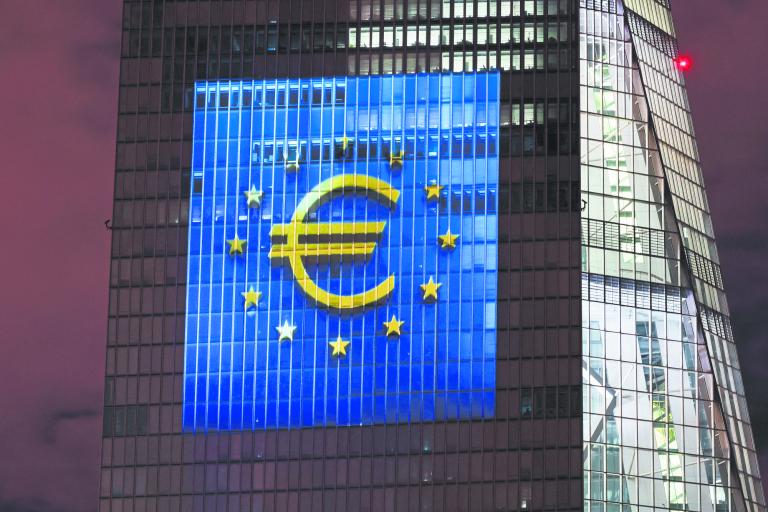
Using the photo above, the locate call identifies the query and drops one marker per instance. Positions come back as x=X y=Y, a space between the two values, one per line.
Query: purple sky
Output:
x=59 y=65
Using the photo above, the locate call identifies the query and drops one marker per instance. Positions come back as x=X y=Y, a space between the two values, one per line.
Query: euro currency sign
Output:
x=338 y=241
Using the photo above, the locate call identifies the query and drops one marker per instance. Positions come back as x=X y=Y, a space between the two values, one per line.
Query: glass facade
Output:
x=499 y=428
x=437 y=255
x=665 y=423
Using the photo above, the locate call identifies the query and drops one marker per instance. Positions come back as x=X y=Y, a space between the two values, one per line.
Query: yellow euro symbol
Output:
x=333 y=241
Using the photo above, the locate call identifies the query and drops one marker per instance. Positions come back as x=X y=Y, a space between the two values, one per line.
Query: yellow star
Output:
x=430 y=289
x=286 y=331
x=339 y=347
x=236 y=246
x=393 y=326
x=433 y=191
x=251 y=297
x=253 y=197
x=448 y=240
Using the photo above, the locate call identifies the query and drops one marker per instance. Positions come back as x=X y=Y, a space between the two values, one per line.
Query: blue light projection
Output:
x=342 y=252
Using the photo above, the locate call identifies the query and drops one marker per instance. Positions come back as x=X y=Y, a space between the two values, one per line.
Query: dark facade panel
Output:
x=527 y=454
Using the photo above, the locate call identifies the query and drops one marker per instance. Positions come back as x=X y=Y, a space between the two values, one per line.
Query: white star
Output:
x=286 y=331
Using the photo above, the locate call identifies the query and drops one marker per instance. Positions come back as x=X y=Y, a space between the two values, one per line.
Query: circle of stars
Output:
x=339 y=347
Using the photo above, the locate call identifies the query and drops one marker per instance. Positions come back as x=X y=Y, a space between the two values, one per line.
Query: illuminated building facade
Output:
x=389 y=255
x=665 y=418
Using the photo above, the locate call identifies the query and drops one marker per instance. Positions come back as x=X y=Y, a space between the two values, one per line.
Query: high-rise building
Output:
x=415 y=255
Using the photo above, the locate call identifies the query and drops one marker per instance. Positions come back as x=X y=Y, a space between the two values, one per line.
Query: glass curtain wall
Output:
x=525 y=457
x=654 y=435
x=652 y=30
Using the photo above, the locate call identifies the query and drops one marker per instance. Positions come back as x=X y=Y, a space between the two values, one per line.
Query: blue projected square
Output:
x=342 y=252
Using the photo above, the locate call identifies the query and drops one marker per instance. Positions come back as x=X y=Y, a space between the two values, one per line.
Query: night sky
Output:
x=59 y=64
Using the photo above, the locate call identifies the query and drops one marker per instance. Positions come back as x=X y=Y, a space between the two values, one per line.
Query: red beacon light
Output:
x=683 y=63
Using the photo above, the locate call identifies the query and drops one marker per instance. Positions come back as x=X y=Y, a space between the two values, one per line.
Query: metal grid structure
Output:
x=641 y=175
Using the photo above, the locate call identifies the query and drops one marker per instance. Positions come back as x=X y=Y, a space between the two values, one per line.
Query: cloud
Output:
x=32 y=505
x=27 y=506
x=51 y=427
x=57 y=141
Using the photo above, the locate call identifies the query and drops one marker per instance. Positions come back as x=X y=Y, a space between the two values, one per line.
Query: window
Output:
x=389 y=37
x=526 y=403
x=534 y=7
x=515 y=114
